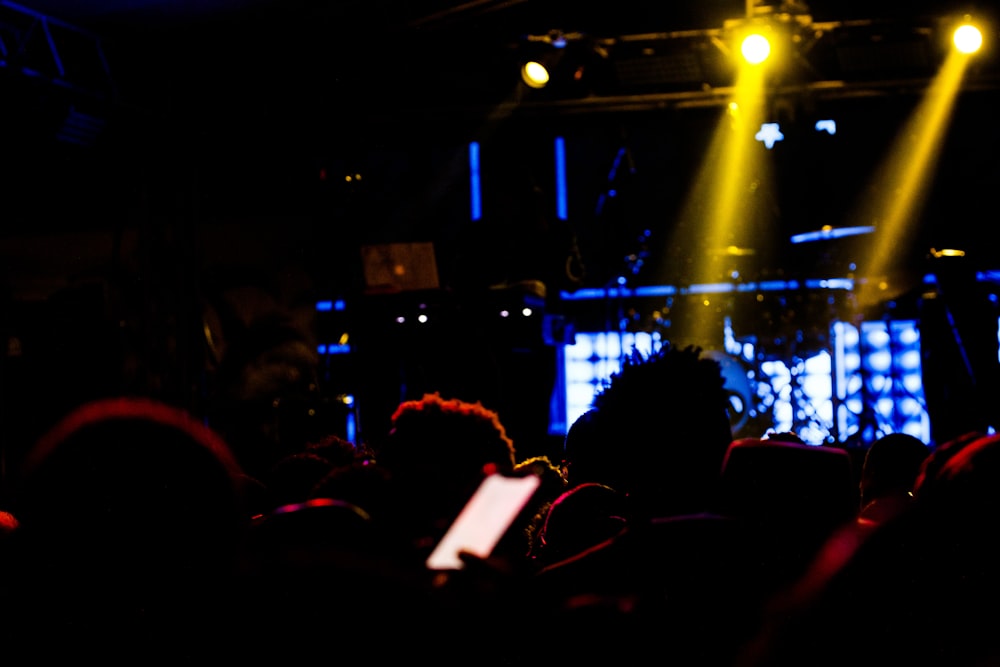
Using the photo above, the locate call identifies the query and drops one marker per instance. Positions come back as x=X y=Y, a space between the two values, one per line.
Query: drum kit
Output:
x=786 y=309
x=783 y=315
x=769 y=327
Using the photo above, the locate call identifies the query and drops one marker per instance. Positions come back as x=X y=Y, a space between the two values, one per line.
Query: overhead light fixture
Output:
x=967 y=38
x=755 y=48
x=564 y=65
x=535 y=74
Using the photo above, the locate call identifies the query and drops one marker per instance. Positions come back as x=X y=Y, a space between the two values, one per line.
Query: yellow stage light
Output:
x=535 y=74
x=967 y=38
x=755 y=48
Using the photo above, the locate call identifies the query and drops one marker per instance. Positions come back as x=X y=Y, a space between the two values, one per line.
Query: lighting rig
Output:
x=832 y=59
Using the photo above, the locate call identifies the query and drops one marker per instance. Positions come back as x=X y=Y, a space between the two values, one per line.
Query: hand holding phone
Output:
x=484 y=520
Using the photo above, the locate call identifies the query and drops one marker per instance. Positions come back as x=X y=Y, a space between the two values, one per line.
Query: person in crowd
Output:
x=644 y=468
x=553 y=484
x=293 y=478
x=888 y=475
x=657 y=432
x=791 y=498
x=437 y=452
x=581 y=518
x=131 y=515
x=262 y=386
x=915 y=588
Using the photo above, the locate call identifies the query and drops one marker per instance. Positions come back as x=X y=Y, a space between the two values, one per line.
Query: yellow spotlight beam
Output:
x=716 y=203
x=732 y=171
x=907 y=170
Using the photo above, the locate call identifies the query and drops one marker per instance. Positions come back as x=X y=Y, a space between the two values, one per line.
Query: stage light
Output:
x=908 y=167
x=535 y=74
x=967 y=38
x=755 y=48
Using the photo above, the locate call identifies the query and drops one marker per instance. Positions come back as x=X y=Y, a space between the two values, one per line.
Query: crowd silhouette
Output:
x=136 y=531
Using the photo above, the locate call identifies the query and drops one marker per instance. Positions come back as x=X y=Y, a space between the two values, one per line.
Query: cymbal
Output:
x=732 y=251
x=829 y=232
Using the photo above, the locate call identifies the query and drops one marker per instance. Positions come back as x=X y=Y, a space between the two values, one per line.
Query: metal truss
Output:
x=697 y=68
x=37 y=46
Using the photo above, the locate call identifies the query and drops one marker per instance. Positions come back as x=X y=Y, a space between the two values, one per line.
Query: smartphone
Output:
x=490 y=512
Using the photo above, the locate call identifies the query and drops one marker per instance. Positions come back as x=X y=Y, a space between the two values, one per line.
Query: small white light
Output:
x=770 y=133
x=828 y=126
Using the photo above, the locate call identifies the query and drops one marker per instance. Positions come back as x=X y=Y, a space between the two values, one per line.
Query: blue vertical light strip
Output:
x=558 y=416
x=351 y=427
x=561 y=204
x=475 y=192
x=558 y=425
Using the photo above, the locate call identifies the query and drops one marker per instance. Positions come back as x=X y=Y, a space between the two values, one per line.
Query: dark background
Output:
x=225 y=130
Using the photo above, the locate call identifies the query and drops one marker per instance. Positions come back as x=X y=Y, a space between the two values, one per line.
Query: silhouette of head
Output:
x=891 y=466
x=446 y=436
x=438 y=450
x=658 y=431
x=132 y=514
x=580 y=518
